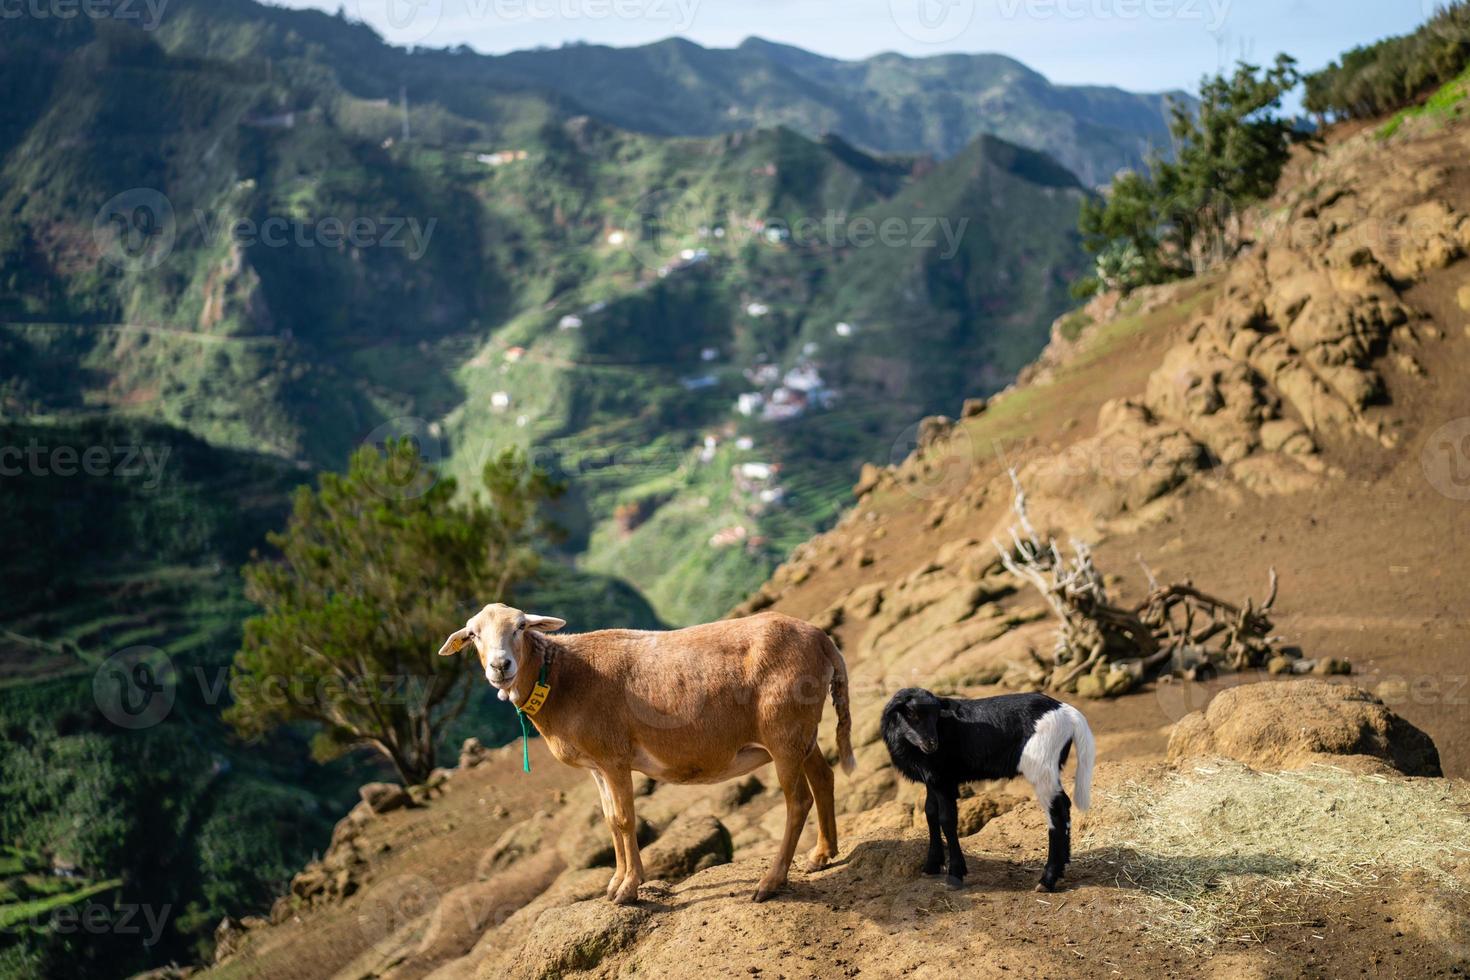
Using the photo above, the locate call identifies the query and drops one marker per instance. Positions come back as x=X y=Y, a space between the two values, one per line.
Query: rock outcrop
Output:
x=384 y=797
x=689 y=844
x=1291 y=725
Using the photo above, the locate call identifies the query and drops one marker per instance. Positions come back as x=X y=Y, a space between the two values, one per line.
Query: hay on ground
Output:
x=1226 y=852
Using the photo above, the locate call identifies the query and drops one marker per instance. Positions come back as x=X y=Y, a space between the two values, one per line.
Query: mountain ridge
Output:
x=890 y=103
x=887 y=103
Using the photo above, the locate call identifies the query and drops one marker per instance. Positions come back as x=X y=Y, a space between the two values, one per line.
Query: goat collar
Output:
x=537 y=698
x=534 y=702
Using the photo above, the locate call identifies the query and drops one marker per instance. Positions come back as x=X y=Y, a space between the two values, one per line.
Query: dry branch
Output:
x=1105 y=648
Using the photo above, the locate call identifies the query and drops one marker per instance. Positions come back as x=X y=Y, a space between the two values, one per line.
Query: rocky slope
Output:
x=1293 y=410
x=1202 y=861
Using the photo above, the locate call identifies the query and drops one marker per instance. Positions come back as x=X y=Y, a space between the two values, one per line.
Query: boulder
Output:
x=1134 y=458
x=282 y=909
x=933 y=429
x=310 y=882
x=516 y=842
x=1292 y=725
x=868 y=791
x=577 y=938
x=587 y=843
x=868 y=479
x=347 y=830
x=383 y=797
x=228 y=937
x=472 y=753
x=689 y=844
x=977 y=811
x=466 y=912
x=863 y=602
x=738 y=792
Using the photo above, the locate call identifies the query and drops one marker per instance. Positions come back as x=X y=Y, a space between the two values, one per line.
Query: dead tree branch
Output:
x=1103 y=648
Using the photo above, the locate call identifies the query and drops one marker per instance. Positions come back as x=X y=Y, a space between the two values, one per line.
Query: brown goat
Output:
x=696 y=705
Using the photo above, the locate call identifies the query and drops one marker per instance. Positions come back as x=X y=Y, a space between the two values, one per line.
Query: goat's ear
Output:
x=456 y=641
x=544 y=624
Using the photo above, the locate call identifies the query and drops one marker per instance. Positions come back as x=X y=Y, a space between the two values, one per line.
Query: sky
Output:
x=1144 y=45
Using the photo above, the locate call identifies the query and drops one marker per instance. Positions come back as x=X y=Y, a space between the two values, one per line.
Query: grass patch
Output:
x=13 y=915
x=1225 y=852
x=1072 y=326
x=1442 y=106
x=1132 y=324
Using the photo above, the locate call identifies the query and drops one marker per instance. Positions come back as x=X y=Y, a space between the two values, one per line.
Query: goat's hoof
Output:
x=1045 y=886
x=612 y=888
x=627 y=895
x=931 y=872
x=954 y=883
x=764 y=891
x=817 y=860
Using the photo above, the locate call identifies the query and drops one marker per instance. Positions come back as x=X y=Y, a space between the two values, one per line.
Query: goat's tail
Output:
x=1086 y=759
x=840 y=704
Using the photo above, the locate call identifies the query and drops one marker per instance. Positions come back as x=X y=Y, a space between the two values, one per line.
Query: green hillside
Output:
x=303 y=345
x=134 y=548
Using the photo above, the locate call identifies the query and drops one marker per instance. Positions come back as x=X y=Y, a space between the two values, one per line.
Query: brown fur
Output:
x=696 y=705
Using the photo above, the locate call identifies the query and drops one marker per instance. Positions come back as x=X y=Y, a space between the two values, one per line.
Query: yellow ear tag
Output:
x=535 y=699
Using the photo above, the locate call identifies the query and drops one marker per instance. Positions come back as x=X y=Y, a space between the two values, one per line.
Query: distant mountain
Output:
x=888 y=103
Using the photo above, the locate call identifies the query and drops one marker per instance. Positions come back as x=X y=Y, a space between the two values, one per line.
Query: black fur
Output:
x=946 y=742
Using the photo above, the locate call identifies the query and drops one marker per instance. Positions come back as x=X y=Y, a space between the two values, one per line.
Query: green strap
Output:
x=525 y=732
x=525 y=742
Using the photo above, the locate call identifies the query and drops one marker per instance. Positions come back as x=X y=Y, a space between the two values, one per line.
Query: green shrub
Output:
x=1071 y=328
x=1182 y=216
x=1380 y=78
x=372 y=562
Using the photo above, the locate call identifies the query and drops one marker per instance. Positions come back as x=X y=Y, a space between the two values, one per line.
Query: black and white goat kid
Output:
x=944 y=742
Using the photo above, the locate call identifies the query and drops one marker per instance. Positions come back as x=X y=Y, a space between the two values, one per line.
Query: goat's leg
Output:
x=949 y=819
x=625 y=821
x=819 y=781
x=934 y=860
x=607 y=814
x=789 y=770
x=1059 y=841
